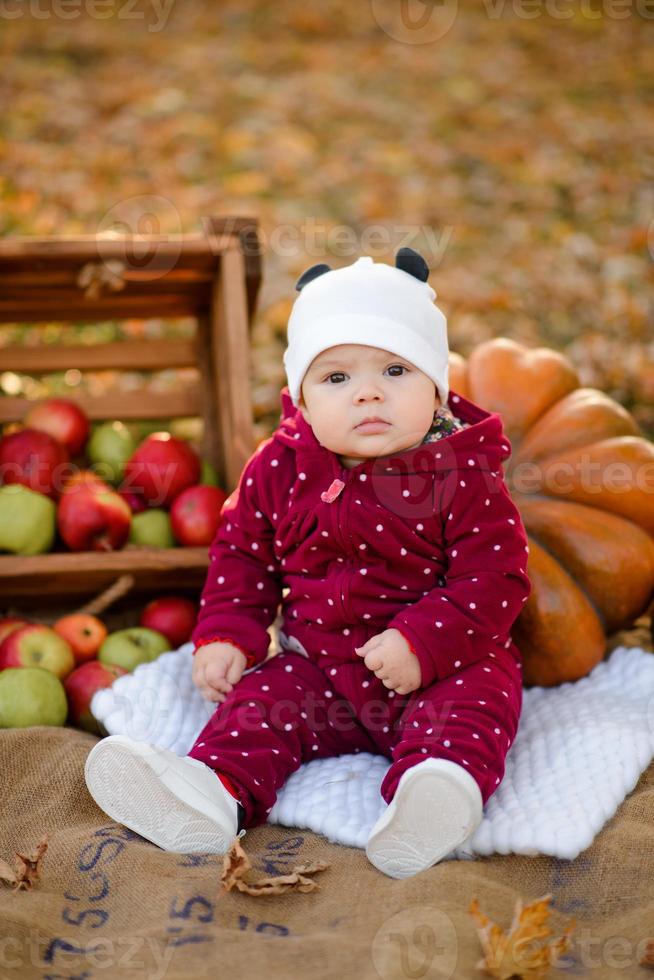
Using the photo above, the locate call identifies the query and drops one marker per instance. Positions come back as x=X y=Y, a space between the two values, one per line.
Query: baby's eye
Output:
x=341 y=374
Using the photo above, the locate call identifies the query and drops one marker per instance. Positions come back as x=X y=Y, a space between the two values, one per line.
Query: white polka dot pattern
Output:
x=334 y=567
x=579 y=750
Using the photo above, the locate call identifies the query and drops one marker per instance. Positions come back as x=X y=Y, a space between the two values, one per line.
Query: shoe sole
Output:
x=126 y=786
x=432 y=813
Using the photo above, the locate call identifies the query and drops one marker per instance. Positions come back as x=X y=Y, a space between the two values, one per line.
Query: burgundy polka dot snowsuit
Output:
x=427 y=541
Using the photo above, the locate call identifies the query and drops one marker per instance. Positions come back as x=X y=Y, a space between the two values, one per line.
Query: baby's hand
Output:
x=390 y=658
x=216 y=668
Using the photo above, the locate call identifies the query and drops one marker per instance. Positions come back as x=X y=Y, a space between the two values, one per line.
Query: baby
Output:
x=378 y=516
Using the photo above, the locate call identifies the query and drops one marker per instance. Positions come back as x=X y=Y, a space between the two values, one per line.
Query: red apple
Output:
x=80 y=686
x=36 y=460
x=62 y=419
x=173 y=616
x=8 y=624
x=91 y=518
x=36 y=645
x=84 y=633
x=161 y=468
x=135 y=501
x=195 y=515
x=85 y=478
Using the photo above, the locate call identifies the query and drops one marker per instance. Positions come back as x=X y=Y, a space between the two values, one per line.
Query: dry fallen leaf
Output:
x=28 y=868
x=536 y=232
x=517 y=953
x=648 y=956
x=95 y=277
x=236 y=864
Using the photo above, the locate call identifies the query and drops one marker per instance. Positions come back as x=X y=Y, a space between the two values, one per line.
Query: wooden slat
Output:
x=117 y=306
x=247 y=229
x=191 y=250
x=212 y=437
x=119 y=405
x=231 y=363
x=64 y=275
x=144 y=355
x=172 y=281
x=86 y=573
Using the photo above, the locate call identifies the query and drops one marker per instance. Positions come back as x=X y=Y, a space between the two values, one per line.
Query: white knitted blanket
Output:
x=580 y=749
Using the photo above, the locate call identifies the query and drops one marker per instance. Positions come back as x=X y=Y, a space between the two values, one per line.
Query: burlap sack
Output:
x=110 y=904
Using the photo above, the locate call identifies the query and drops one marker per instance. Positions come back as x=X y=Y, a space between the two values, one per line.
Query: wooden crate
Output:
x=213 y=277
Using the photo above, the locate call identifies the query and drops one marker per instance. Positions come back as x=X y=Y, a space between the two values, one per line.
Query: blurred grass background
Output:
x=514 y=151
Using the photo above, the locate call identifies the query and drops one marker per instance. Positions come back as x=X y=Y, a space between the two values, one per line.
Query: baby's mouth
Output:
x=373 y=426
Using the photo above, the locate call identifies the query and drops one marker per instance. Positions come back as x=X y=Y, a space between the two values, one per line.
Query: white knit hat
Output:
x=369 y=303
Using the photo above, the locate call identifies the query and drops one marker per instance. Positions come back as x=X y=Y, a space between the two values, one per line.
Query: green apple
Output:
x=208 y=475
x=31 y=696
x=133 y=646
x=152 y=528
x=36 y=645
x=109 y=448
x=27 y=520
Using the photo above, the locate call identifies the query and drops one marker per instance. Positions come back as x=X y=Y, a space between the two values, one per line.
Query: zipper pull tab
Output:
x=330 y=495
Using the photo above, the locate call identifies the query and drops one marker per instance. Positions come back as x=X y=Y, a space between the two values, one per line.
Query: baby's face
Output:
x=347 y=383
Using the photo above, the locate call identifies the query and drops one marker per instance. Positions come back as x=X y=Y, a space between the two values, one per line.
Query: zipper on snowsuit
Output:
x=336 y=501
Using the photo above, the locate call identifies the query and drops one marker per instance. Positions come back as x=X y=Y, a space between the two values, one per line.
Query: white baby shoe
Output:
x=174 y=801
x=437 y=806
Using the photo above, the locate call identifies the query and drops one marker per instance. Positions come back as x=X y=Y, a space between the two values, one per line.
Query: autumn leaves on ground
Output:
x=526 y=949
x=512 y=151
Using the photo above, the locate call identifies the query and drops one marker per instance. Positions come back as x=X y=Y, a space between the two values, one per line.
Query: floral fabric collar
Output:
x=444 y=424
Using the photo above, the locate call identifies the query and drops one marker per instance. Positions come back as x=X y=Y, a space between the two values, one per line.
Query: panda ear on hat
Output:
x=408 y=260
x=312 y=273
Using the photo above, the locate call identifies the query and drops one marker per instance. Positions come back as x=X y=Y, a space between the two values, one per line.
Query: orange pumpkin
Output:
x=581 y=473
